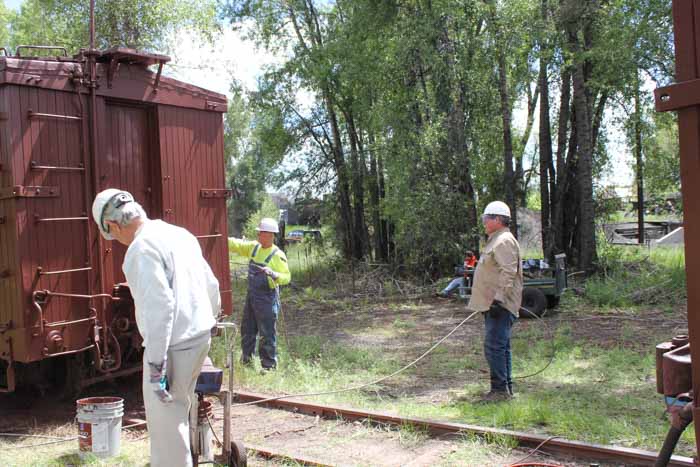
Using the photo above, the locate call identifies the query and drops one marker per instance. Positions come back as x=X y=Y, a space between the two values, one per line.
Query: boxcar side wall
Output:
x=191 y=154
x=52 y=219
x=9 y=259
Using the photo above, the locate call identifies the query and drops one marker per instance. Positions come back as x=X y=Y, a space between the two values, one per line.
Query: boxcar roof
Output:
x=122 y=74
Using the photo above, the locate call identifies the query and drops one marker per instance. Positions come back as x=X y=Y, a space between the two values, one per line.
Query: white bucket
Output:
x=100 y=426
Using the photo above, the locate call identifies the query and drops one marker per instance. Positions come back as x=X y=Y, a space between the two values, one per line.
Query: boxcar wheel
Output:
x=534 y=301
x=70 y=383
x=238 y=455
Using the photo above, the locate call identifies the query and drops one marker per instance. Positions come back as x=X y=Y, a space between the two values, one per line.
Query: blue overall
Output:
x=260 y=314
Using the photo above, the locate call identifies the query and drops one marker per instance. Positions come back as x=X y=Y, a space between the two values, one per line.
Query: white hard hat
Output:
x=103 y=199
x=497 y=208
x=267 y=225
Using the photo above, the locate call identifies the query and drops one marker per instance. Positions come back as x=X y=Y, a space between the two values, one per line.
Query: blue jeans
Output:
x=454 y=285
x=499 y=322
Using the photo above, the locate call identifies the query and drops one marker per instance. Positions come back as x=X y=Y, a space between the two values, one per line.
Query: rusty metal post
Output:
x=685 y=98
x=92 y=63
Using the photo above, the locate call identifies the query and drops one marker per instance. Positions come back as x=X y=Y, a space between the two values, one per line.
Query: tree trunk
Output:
x=558 y=183
x=374 y=206
x=506 y=120
x=586 y=230
x=640 y=164
x=343 y=178
x=522 y=181
x=359 y=232
x=545 y=137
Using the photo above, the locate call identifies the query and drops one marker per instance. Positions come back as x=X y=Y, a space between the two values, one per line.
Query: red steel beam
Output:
x=551 y=445
x=684 y=96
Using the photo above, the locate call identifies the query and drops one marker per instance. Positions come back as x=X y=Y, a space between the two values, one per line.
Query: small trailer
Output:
x=543 y=285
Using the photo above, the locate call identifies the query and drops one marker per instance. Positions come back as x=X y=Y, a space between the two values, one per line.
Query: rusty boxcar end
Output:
x=66 y=133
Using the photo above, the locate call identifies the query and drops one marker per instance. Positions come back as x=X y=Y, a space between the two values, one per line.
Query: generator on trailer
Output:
x=69 y=128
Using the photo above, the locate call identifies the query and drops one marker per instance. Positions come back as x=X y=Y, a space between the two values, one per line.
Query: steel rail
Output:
x=559 y=446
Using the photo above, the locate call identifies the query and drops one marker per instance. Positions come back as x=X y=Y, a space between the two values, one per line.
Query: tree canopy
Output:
x=413 y=117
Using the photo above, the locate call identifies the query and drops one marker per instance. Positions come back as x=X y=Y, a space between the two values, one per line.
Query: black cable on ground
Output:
x=554 y=345
x=520 y=461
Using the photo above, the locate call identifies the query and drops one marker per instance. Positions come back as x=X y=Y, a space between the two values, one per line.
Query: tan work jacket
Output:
x=499 y=274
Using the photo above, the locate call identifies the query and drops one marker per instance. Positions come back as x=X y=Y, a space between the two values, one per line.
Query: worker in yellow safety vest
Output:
x=267 y=270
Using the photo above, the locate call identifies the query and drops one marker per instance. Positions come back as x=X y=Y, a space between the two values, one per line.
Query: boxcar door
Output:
x=127 y=165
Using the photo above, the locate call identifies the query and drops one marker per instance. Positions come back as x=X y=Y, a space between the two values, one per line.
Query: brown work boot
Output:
x=495 y=396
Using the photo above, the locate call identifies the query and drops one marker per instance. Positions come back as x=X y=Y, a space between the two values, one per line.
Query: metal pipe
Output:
x=31 y=114
x=92 y=64
x=107 y=377
x=40 y=47
x=36 y=166
x=51 y=273
x=92 y=25
x=59 y=219
x=73 y=295
x=68 y=352
x=61 y=324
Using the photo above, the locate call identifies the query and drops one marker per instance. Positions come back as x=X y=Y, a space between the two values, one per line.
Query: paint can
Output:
x=100 y=426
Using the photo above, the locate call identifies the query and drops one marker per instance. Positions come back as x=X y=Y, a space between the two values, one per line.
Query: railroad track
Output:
x=546 y=444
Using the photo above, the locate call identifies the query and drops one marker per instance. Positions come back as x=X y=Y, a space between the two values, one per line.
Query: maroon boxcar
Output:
x=66 y=315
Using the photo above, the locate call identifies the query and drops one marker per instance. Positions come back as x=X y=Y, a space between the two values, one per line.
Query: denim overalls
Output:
x=260 y=314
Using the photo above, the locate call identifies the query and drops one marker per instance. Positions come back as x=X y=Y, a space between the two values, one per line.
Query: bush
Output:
x=631 y=275
x=268 y=209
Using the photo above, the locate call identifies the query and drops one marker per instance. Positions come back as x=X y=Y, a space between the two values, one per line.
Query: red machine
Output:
x=69 y=128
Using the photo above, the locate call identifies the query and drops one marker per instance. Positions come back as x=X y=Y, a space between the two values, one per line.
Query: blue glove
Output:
x=159 y=381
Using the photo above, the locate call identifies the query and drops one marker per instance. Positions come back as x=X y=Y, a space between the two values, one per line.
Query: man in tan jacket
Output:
x=497 y=290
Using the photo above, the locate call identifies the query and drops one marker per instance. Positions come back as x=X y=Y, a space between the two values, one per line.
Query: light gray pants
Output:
x=168 y=423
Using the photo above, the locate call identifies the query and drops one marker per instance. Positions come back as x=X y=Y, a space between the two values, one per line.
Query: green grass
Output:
x=588 y=393
x=631 y=275
x=132 y=453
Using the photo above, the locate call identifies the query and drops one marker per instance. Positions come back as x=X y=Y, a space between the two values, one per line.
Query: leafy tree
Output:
x=409 y=129
x=267 y=209
x=255 y=142
x=662 y=162
x=5 y=18
x=138 y=24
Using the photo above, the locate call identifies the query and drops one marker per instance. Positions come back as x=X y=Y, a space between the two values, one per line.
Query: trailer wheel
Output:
x=534 y=301
x=238 y=456
x=552 y=301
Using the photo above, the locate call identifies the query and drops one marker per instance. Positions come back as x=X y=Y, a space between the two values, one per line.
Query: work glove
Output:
x=159 y=382
x=268 y=271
